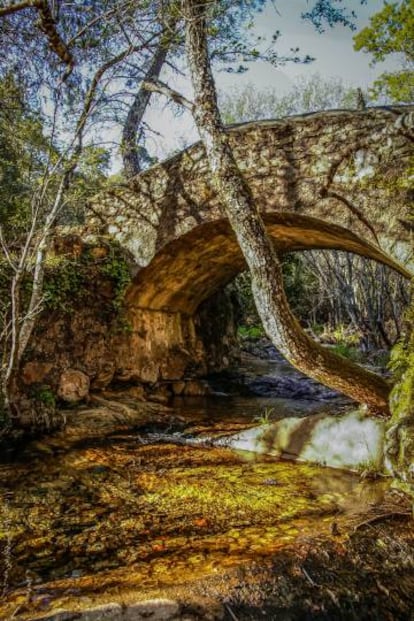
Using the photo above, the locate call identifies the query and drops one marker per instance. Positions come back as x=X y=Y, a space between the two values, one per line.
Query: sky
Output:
x=333 y=51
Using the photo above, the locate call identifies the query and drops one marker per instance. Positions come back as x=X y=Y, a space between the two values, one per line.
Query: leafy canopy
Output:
x=391 y=32
x=23 y=151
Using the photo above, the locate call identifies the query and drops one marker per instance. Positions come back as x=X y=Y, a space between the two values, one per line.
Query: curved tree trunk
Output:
x=264 y=265
x=136 y=113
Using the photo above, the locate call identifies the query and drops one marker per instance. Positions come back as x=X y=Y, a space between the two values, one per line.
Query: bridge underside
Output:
x=191 y=269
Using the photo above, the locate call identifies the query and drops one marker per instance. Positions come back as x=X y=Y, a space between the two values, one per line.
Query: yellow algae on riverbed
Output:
x=105 y=519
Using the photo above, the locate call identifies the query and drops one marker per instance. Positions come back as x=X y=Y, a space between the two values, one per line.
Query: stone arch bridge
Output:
x=338 y=179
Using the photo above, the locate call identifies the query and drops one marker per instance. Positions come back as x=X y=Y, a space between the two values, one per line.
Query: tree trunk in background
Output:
x=264 y=265
x=136 y=113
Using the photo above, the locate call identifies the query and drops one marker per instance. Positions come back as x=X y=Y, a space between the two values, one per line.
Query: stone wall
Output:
x=88 y=338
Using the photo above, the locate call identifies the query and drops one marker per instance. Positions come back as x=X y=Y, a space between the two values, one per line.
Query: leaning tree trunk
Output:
x=136 y=113
x=261 y=258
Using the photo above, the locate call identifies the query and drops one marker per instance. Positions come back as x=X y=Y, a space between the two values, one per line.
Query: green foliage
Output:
x=401 y=359
x=89 y=179
x=24 y=152
x=402 y=367
x=400 y=434
x=371 y=469
x=117 y=270
x=266 y=417
x=300 y=284
x=342 y=334
x=317 y=328
x=391 y=33
x=347 y=351
x=325 y=13
x=242 y=288
x=71 y=281
x=250 y=332
x=5 y=279
x=45 y=395
x=63 y=284
x=23 y=149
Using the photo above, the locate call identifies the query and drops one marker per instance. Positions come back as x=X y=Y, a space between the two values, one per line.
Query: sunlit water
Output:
x=98 y=519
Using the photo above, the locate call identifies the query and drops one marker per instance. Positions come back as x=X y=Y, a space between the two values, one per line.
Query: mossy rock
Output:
x=400 y=432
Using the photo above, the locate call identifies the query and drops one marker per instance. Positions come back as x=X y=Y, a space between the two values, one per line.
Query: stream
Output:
x=135 y=514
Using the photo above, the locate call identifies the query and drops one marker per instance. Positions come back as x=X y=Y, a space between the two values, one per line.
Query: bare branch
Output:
x=37 y=283
x=156 y=86
x=97 y=19
x=4 y=334
x=99 y=75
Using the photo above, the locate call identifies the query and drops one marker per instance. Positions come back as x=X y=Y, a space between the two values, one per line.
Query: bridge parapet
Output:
x=347 y=168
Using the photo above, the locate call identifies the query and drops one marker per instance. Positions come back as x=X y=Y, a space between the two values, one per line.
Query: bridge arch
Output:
x=336 y=179
x=344 y=167
x=190 y=269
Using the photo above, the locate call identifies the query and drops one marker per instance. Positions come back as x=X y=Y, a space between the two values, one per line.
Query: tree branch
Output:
x=97 y=19
x=14 y=8
x=5 y=250
x=48 y=26
x=100 y=73
x=156 y=86
x=132 y=165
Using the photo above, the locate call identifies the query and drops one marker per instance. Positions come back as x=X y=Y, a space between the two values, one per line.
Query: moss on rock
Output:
x=400 y=433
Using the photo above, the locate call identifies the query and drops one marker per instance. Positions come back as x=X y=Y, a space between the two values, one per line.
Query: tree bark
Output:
x=136 y=113
x=264 y=265
x=47 y=25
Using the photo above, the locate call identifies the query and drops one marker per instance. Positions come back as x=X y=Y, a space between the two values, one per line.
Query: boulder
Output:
x=73 y=386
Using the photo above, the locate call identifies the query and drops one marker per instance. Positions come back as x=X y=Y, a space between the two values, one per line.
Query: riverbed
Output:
x=153 y=508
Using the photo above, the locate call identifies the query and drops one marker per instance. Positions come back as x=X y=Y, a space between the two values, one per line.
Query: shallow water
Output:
x=234 y=403
x=119 y=517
